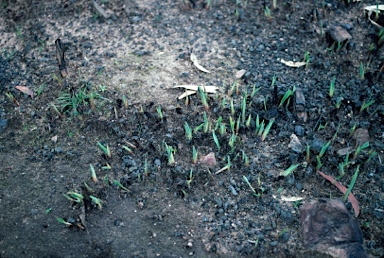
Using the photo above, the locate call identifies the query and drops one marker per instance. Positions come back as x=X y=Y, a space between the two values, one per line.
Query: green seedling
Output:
x=106 y=167
x=257 y=123
x=97 y=201
x=93 y=174
x=366 y=105
x=127 y=149
x=381 y=37
x=218 y=122
x=232 y=108
x=207 y=124
x=307 y=59
x=231 y=141
x=250 y=186
x=47 y=211
x=337 y=131
x=362 y=71
x=359 y=149
x=248 y=122
x=243 y=108
x=203 y=98
x=189 y=181
x=321 y=127
x=125 y=101
x=353 y=129
x=233 y=87
x=245 y=159
x=62 y=221
x=222 y=129
x=319 y=164
x=332 y=87
x=261 y=128
x=117 y=183
x=215 y=139
x=265 y=103
x=226 y=167
x=287 y=95
x=89 y=189
x=267 y=13
x=188 y=131
x=237 y=125
x=56 y=110
x=232 y=124
x=170 y=151
x=223 y=103
x=372 y=154
x=254 y=90
x=338 y=102
x=160 y=113
x=194 y=155
x=40 y=89
x=273 y=80
x=267 y=129
x=290 y=170
x=354 y=177
x=296 y=204
x=198 y=128
x=106 y=180
x=324 y=149
x=74 y=197
x=12 y=98
x=308 y=153
x=105 y=149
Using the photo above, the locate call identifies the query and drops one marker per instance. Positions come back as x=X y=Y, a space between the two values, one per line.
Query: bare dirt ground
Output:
x=119 y=92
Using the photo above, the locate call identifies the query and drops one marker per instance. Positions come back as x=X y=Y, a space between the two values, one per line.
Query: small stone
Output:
x=240 y=74
x=295 y=144
x=208 y=160
x=299 y=130
x=339 y=34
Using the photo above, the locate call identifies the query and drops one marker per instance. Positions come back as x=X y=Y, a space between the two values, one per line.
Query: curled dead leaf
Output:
x=25 y=90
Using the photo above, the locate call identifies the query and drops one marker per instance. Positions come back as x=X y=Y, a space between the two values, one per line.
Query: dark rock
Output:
x=328 y=227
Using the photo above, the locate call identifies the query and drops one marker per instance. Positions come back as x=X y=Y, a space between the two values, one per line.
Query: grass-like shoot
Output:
x=267 y=129
x=203 y=98
x=105 y=149
x=287 y=95
x=353 y=180
x=324 y=149
x=93 y=174
x=117 y=183
x=194 y=155
x=366 y=105
x=290 y=170
x=97 y=201
x=74 y=197
x=332 y=87
x=170 y=150
x=215 y=139
x=359 y=149
x=188 y=131
x=160 y=112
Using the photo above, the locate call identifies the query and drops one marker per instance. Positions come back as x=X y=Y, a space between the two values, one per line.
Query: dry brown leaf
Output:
x=25 y=90
x=343 y=189
x=196 y=63
x=293 y=64
x=208 y=160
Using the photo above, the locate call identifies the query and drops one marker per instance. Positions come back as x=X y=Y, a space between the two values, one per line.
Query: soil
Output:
x=119 y=92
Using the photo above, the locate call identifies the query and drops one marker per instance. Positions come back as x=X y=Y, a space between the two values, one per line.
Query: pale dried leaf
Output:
x=240 y=74
x=291 y=199
x=208 y=89
x=25 y=90
x=374 y=8
x=54 y=139
x=293 y=64
x=187 y=93
x=196 y=63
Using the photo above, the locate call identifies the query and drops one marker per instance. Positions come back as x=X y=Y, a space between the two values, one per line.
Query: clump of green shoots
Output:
x=188 y=131
x=170 y=151
x=218 y=122
x=267 y=129
x=332 y=87
x=194 y=155
x=203 y=98
x=287 y=96
x=189 y=181
x=207 y=124
x=354 y=177
x=74 y=197
x=359 y=149
x=105 y=149
x=232 y=141
x=366 y=104
x=97 y=201
x=160 y=112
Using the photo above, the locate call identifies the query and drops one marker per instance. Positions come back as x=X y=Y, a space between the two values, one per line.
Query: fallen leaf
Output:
x=25 y=90
x=343 y=189
x=289 y=199
x=361 y=136
x=293 y=64
x=196 y=63
x=376 y=9
x=240 y=74
x=192 y=89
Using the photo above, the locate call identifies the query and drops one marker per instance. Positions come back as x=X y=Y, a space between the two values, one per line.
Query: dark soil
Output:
x=122 y=68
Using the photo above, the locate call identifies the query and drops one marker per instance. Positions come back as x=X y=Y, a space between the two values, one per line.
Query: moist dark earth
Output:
x=123 y=59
